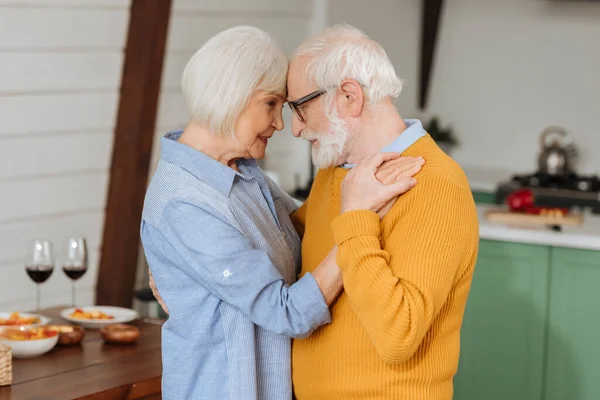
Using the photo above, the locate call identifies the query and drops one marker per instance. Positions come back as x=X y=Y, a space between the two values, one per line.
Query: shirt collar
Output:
x=413 y=132
x=207 y=169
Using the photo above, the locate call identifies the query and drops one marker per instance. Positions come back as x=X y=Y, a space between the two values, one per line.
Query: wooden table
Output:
x=92 y=370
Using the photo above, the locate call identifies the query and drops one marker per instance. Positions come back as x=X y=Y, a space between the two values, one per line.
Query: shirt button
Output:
x=227 y=273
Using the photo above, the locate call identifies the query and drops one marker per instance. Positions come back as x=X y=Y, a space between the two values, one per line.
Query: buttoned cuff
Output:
x=309 y=301
x=355 y=223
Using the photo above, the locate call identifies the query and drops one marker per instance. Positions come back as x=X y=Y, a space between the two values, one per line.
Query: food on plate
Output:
x=28 y=334
x=16 y=319
x=68 y=334
x=79 y=313
x=120 y=334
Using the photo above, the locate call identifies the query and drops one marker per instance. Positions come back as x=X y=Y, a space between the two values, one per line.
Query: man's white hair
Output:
x=345 y=52
x=226 y=71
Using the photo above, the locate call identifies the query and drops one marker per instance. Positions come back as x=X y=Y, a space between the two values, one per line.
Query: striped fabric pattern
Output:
x=225 y=256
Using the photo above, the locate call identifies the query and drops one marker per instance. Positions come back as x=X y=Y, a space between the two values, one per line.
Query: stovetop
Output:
x=569 y=190
x=571 y=181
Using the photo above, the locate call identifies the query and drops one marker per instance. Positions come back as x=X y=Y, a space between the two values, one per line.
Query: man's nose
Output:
x=297 y=126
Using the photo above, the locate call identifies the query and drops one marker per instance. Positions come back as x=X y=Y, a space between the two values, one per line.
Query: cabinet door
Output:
x=502 y=337
x=573 y=362
x=481 y=197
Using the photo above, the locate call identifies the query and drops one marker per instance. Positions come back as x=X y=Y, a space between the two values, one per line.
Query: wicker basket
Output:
x=5 y=365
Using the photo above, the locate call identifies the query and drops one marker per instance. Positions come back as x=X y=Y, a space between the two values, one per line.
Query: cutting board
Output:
x=505 y=216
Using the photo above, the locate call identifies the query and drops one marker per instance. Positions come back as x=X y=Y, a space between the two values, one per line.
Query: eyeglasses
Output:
x=295 y=105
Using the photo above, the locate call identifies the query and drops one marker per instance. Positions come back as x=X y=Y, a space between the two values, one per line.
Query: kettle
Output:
x=558 y=152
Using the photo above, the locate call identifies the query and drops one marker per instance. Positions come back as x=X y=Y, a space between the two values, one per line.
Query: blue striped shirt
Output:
x=225 y=255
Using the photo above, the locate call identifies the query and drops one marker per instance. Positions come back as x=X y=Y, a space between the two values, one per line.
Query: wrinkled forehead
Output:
x=297 y=84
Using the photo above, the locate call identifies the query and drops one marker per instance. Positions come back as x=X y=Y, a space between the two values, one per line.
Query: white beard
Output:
x=331 y=144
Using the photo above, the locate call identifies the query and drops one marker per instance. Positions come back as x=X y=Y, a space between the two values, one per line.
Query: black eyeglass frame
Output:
x=294 y=105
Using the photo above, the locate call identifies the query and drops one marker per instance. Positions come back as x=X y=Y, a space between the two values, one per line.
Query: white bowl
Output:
x=43 y=320
x=121 y=316
x=27 y=348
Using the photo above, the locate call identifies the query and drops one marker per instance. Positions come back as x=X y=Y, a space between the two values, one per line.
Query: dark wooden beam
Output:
x=430 y=22
x=132 y=146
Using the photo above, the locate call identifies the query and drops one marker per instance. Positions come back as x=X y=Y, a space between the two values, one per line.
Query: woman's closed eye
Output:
x=274 y=101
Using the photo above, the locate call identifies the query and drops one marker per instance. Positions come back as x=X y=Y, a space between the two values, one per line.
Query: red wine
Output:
x=74 y=272
x=39 y=273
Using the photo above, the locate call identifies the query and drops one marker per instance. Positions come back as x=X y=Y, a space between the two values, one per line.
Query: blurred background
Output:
x=502 y=71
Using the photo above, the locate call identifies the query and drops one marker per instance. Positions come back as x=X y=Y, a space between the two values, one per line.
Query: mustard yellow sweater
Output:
x=395 y=331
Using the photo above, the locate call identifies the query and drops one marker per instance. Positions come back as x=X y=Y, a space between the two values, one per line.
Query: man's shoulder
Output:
x=441 y=202
x=440 y=189
x=438 y=165
x=443 y=177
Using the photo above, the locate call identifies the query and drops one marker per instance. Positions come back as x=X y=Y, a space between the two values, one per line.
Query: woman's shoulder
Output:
x=173 y=186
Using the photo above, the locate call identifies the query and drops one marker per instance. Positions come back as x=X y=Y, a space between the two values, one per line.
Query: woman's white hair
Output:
x=226 y=71
x=345 y=52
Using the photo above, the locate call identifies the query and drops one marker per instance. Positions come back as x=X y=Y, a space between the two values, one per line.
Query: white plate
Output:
x=43 y=320
x=121 y=316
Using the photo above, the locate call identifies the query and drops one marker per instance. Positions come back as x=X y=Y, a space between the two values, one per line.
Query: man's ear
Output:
x=351 y=98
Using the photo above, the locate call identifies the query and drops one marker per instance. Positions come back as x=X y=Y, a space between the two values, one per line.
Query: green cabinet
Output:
x=481 y=197
x=573 y=357
x=532 y=325
x=502 y=338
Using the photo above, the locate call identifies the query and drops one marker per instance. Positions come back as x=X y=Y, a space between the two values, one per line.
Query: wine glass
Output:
x=39 y=265
x=76 y=262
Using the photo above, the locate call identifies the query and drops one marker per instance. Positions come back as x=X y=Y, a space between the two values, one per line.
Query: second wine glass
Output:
x=76 y=262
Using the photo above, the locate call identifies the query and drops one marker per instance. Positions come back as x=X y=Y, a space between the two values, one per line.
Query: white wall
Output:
x=60 y=71
x=509 y=68
x=395 y=25
x=505 y=69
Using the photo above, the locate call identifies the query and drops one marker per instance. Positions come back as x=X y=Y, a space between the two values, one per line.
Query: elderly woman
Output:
x=218 y=236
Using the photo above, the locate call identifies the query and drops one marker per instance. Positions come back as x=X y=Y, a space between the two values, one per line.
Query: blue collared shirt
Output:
x=224 y=255
x=413 y=132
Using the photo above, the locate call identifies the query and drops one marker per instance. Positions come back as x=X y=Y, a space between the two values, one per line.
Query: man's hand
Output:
x=393 y=170
x=361 y=190
x=156 y=294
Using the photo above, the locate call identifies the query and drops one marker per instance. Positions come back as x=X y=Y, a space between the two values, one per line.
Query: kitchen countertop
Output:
x=586 y=236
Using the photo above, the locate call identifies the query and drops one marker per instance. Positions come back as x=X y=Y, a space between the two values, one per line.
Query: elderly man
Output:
x=395 y=331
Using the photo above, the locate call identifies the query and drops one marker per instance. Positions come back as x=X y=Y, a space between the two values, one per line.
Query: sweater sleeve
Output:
x=397 y=291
